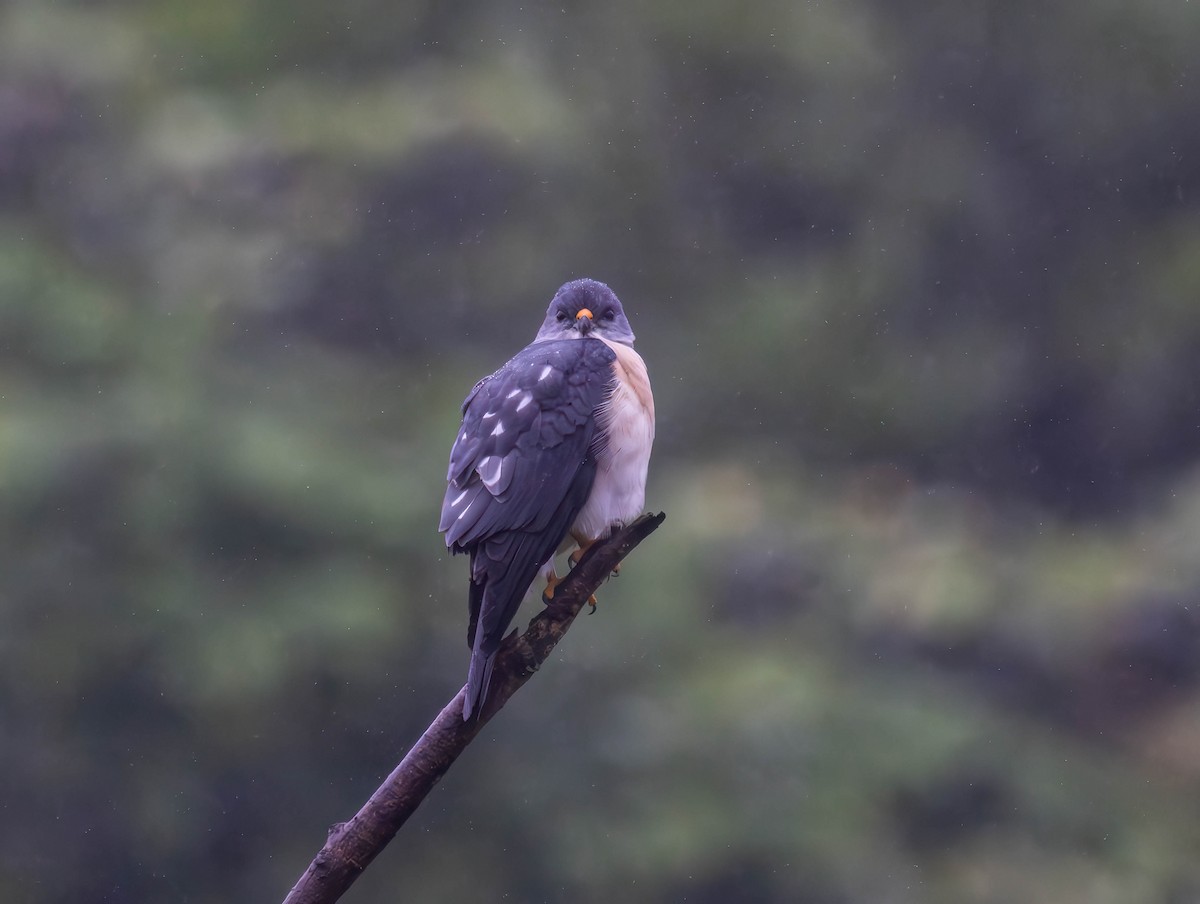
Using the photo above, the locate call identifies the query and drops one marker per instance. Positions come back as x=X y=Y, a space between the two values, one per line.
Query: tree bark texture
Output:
x=352 y=845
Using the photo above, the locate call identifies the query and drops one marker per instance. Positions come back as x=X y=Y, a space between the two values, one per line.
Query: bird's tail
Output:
x=479 y=676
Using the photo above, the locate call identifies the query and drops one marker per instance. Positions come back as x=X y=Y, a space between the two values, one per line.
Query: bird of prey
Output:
x=552 y=453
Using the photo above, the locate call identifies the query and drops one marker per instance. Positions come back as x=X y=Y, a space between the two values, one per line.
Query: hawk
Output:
x=552 y=454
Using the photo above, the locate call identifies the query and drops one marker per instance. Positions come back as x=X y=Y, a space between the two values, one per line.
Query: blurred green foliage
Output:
x=917 y=284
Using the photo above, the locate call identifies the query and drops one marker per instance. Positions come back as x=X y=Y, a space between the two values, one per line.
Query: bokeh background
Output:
x=919 y=289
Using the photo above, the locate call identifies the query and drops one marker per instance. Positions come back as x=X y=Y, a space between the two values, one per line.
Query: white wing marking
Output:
x=490 y=469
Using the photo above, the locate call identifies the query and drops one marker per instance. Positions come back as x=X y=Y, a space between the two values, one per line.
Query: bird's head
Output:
x=582 y=308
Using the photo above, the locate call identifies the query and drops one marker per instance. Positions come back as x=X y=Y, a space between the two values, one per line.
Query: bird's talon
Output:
x=579 y=553
x=592 y=602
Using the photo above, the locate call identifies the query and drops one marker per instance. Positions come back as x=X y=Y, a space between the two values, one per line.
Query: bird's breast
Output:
x=626 y=423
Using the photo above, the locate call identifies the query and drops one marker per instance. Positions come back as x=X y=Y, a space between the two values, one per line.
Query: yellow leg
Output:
x=548 y=594
x=584 y=546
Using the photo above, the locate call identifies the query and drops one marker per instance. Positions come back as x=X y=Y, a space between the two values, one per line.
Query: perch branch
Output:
x=352 y=845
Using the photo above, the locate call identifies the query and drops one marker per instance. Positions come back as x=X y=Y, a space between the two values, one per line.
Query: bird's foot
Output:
x=584 y=546
x=548 y=593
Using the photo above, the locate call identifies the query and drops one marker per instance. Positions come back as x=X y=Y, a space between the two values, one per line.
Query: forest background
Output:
x=918 y=288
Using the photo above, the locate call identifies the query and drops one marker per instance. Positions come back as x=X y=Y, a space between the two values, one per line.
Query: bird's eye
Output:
x=610 y=314
x=562 y=316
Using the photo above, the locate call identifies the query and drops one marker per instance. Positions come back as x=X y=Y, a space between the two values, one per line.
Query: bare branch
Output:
x=352 y=845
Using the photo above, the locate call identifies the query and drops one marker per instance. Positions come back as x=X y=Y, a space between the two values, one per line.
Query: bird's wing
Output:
x=521 y=469
x=520 y=454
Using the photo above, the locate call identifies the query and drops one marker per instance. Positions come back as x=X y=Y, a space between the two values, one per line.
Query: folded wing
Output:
x=520 y=470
